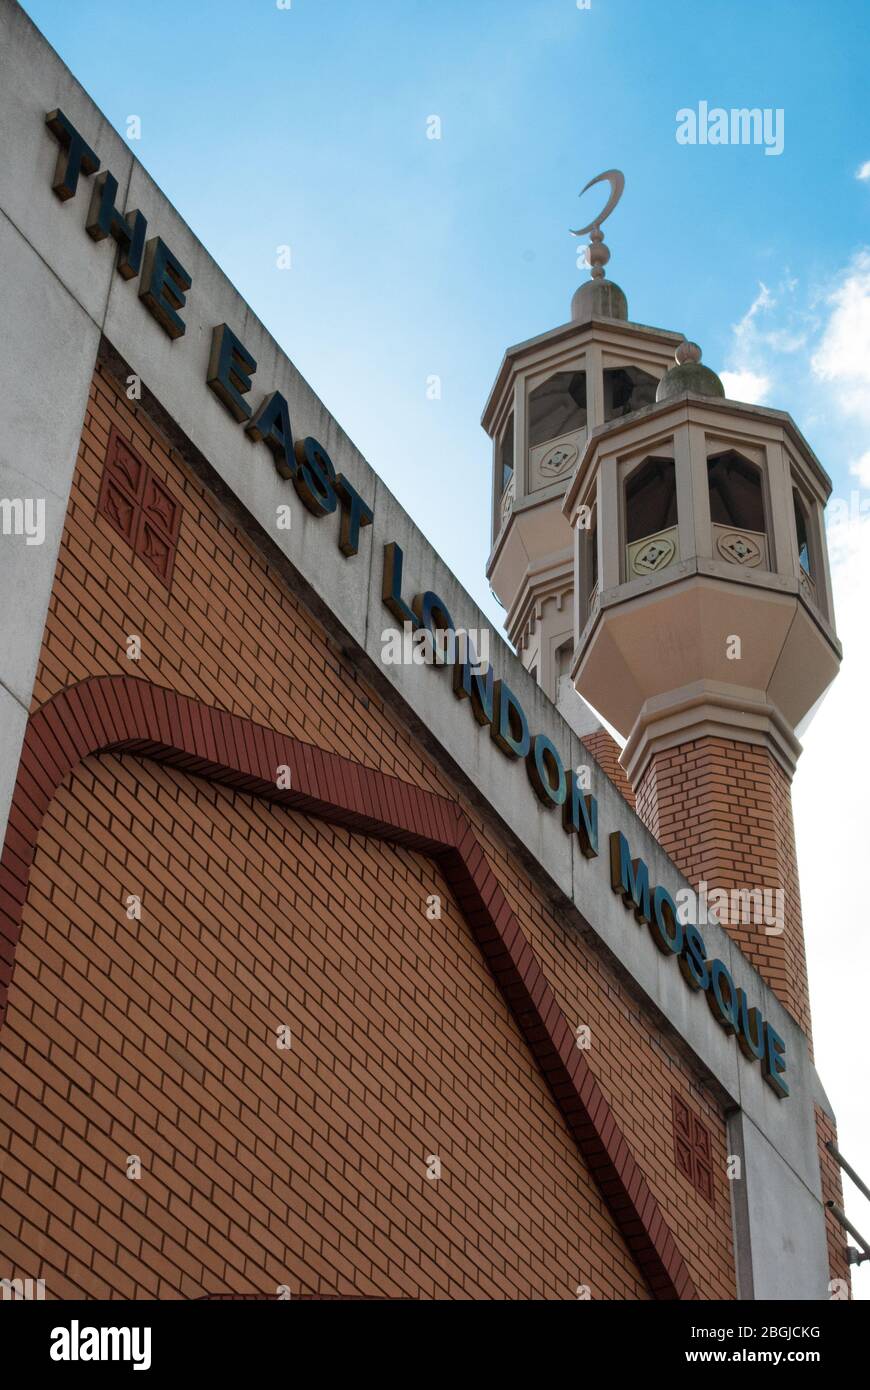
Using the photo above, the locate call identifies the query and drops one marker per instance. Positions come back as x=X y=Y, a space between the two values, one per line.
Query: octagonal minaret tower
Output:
x=708 y=638
x=660 y=550
x=550 y=394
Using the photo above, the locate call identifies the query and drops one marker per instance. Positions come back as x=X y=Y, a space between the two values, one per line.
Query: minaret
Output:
x=660 y=550
x=551 y=393
x=710 y=639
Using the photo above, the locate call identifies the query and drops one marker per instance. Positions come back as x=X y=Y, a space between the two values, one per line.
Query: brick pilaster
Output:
x=605 y=750
x=722 y=810
x=832 y=1191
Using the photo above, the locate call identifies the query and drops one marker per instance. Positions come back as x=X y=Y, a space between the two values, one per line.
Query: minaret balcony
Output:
x=701 y=579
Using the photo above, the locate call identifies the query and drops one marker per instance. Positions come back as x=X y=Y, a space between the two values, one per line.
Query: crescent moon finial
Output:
x=598 y=254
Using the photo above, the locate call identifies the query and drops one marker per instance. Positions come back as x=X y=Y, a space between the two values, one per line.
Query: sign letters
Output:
x=164 y=284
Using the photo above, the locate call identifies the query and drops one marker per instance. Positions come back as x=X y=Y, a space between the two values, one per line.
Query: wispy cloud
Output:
x=864 y=171
x=776 y=325
x=843 y=353
x=861 y=469
x=751 y=387
x=833 y=772
x=835 y=766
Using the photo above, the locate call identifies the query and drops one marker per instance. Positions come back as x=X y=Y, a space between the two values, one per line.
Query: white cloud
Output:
x=774 y=329
x=864 y=171
x=763 y=300
x=750 y=335
x=861 y=469
x=750 y=387
x=843 y=354
x=808 y=350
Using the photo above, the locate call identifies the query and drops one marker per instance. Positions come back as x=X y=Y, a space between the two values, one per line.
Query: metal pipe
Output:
x=845 y=1222
x=847 y=1168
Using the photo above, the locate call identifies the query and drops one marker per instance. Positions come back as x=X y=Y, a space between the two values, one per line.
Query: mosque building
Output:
x=329 y=975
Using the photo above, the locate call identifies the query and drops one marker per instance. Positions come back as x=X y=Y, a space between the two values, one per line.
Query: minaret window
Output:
x=557 y=407
x=737 y=510
x=588 y=563
x=563 y=661
x=650 y=499
x=736 y=494
x=803 y=534
x=627 y=389
x=507 y=453
x=651 y=535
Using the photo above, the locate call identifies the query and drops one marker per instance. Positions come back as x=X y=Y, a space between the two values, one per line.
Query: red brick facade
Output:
x=121 y=713
x=411 y=1035
x=832 y=1191
x=605 y=750
x=722 y=810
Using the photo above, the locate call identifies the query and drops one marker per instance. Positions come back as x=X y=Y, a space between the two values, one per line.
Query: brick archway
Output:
x=127 y=714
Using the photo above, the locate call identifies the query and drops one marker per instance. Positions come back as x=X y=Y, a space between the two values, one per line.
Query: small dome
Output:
x=689 y=375
x=598 y=299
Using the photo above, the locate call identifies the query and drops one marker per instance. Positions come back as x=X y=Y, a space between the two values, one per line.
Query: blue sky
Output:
x=412 y=257
x=307 y=127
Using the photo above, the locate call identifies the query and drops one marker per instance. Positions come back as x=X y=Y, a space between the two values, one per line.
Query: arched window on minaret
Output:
x=650 y=499
x=627 y=389
x=557 y=407
x=562 y=664
x=651 y=538
x=736 y=492
x=737 y=509
x=802 y=528
x=587 y=556
x=507 y=453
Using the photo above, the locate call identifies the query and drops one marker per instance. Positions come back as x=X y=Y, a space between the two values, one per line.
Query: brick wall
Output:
x=261 y=1166
x=832 y=1191
x=304 y=1167
x=605 y=750
x=722 y=810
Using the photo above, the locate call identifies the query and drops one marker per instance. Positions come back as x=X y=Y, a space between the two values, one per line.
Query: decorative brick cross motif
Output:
x=139 y=506
x=692 y=1146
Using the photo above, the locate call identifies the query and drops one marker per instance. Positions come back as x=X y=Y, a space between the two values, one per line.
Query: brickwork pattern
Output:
x=234 y=636
x=261 y=1166
x=121 y=713
x=605 y=750
x=832 y=1191
x=722 y=810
